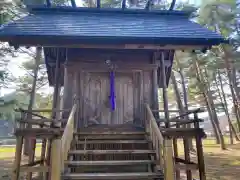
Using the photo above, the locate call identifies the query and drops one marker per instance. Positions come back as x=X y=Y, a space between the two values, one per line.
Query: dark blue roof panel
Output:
x=83 y=25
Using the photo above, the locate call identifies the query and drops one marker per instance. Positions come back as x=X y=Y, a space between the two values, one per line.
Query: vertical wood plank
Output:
x=141 y=103
x=155 y=87
x=55 y=162
x=43 y=156
x=67 y=93
x=135 y=96
x=200 y=156
x=168 y=161
x=18 y=155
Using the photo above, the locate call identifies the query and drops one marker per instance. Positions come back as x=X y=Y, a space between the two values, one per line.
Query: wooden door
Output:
x=124 y=113
x=97 y=108
x=96 y=98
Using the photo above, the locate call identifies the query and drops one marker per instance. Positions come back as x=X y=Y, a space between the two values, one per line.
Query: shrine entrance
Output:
x=100 y=107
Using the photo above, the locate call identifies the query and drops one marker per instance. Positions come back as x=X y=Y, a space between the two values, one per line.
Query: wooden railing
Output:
x=32 y=126
x=61 y=147
x=163 y=146
x=177 y=129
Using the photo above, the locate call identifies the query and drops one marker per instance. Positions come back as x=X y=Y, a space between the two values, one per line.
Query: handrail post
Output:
x=169 y=169
x=55 y=161
x=201 y=165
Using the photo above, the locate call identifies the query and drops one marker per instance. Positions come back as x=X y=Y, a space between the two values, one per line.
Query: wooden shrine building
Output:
x=110 y=63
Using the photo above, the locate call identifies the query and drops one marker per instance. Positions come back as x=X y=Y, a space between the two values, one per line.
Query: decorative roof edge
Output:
x=69 y=9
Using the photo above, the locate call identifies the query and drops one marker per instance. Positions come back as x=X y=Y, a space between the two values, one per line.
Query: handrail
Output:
x=163 y=146
x=42 y=110
x=155 y=135
x=61 y=147
x=68 y=135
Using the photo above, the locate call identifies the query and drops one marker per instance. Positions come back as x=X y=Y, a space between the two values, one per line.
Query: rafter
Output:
x=98 y=3
x=172 y=5
x=48 y=3
x=73 y=3
x=149 y=4
x=123 y=4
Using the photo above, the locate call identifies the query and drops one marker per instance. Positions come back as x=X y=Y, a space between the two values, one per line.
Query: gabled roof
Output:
x=61 y=25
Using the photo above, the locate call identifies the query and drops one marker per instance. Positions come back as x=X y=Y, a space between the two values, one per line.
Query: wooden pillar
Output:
x=30 y=143
x=18 y=156
x=169 y=170
x=67 y=92
x=155 y=88
x=56 y=160
x=200 y=156
x=164 y=88
x=54 y=143
x=168 y=143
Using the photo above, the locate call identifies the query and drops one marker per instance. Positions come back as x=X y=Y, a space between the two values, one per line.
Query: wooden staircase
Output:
x=110 y=153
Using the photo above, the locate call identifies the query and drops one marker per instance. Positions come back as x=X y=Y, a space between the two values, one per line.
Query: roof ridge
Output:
x=68 y=9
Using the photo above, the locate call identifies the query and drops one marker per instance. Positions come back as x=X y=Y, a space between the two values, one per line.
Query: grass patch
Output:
x=9 y=151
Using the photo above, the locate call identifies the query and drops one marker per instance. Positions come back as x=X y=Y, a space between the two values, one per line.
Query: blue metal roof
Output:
x=53 y=26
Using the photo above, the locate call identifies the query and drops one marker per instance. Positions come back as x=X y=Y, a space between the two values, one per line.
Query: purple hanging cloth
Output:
x=112 y=91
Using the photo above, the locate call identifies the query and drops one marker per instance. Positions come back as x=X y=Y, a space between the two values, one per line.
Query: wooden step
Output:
x=136 y=136
x=111 y=176
x=113 y=142
x=111 y=152
x=111 y=133
x=107 y=163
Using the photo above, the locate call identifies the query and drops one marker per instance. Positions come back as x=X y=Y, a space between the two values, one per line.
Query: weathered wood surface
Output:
x=93 y=89
x=125 y=46
x=61 y=147
x=104 y=163
x=113 y=176
x=34 y=169
x=38 y=133
x=183 y=132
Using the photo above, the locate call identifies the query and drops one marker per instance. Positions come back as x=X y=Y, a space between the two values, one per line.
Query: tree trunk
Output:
x=210 y=102
x=224 y=106
x=185 y=98
x=208 y=105
x=234 y=89
x=231 y=127
x=212 y=119
x=28 y=144
x=182 y=111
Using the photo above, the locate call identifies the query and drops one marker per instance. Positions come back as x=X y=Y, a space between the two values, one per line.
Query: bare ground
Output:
x=220 y=165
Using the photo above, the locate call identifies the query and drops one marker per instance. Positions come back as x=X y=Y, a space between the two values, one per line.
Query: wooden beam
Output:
x=120 y=67
x=44 y=110
x=190 y=167
x=126 y=46
x=200 y=156
x=33 y=163
x=54 y=143
x=34 y=169
x=48 y=3
x=38 y=133
x=149 y=5
x=164 y=90
x=18 y=155
x=98 y=3
x=172 y=5
x=123 y=4
x=183 y=132
x=168 y=160
x=155 y=104
x=73 y=3
x=56 y=160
